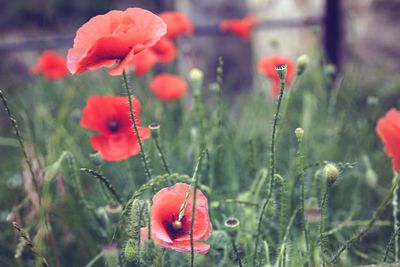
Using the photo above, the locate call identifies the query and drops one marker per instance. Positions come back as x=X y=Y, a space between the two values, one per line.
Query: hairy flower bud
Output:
x=302 y=63
x=299 y=132
x=331 y=173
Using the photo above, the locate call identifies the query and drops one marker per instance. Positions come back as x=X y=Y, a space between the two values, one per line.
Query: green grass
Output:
x=339 y=128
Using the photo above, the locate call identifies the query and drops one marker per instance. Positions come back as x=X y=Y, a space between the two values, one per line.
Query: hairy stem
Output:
x=132 y=114
x=272 y=171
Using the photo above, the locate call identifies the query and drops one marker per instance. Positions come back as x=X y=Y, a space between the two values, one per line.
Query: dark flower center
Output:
x=113 y=126
x=176 y=228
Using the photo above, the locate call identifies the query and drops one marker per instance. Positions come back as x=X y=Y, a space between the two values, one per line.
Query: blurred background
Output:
x=361 y=31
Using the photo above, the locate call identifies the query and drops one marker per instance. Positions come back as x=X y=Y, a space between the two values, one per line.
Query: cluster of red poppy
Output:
x=140 y=38
x=122 y=37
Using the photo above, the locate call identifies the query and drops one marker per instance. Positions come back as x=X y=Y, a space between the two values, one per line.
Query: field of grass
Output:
x=85 y=211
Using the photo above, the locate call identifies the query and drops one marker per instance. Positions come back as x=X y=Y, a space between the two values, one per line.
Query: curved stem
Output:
x=132 y=114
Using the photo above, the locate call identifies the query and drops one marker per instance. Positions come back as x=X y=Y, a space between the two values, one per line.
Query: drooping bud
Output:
x=232 y=227
x=299 y=132
x=196 y=74
x=149 y=253
x=154 y=129
x=111 y=255
x=196 y=79
x=302 y=63
x=131 y=251
x=331 y=173
x=281 y=69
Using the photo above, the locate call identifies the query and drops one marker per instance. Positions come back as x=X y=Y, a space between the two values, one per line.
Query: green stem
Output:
x=239 y=261
x=395 y=205
x=300 y=166
x=322 y=236
x=371 y=222
x=272 y=171
x=200 y=115
x=161 y=154
x=195 y=178
x=286 y=106
x=132 y=114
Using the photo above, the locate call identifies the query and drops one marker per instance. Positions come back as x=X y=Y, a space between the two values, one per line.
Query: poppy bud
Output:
x=96 y=159
x=154 y=130
x=281 y=69
x=232 y=227
x=372 y=101
x=111 y=255
x=331 y=173
x=196 y=74
x=131 y=251
x=371 y=178
x=196 y=79
x=302 y=63
x=299 y=132
x=114 y=211
x=149 y=254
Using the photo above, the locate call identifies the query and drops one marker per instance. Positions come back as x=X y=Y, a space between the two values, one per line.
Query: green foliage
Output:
x=70 y=227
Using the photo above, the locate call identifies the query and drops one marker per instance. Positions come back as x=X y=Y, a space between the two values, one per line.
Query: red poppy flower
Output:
x=388 y=129
x=109 y=116
x=267 y=67
x=167 y=231
x=52 y=65
x=168 y=87
x=144 y=61
x=114 y=37
x=177 y=24
x=239 y=27
x=165 y=50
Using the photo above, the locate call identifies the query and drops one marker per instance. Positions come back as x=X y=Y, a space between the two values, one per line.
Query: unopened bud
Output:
x=111 y=255
x=131 y=251
x=331 y=173
x=281 y=69
x=299 y=132
x=371 y=178
x=302 y=63
x=154 y=130
x=196 y=74
x=372 y=101
x=232 y=227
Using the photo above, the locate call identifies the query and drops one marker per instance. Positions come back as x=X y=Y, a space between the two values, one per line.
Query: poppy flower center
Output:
x=176 y=228
x=113 y=126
